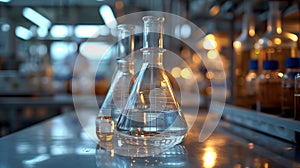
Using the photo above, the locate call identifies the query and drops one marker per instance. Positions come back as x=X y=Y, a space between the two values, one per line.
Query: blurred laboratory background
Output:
x=42 y=41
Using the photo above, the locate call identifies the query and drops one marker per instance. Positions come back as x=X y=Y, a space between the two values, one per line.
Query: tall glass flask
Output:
x=118 y=92
x=276 y=44
x=244 y=50
x=152 y=115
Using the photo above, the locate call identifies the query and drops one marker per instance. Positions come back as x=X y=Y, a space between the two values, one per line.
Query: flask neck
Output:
x=123 y=66
x=274 y=18
x=153 y=56
x=126 y=44
x=153 y=37
x=248 y=25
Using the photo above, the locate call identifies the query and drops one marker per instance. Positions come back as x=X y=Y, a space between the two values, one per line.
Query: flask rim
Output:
x=126 y=27
x=152 y=49
x=153 y=19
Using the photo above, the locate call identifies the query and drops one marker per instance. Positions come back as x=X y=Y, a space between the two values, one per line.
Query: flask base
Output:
x=154 y=140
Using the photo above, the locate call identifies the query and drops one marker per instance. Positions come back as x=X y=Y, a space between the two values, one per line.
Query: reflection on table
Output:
x=61 y=142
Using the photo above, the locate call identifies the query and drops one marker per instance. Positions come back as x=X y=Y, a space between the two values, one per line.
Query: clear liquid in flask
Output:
x=152 y=117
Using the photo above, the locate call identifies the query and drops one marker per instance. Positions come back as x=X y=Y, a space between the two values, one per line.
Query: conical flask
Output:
x=244 y=50
x=152 y=115
x=276 y=44
x=118 y=92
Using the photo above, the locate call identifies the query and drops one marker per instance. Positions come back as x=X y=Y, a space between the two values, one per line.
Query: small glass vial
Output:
x=269 y=88
x=105 y=128
x=297 y=98
x=250 y=84
x=288 y=90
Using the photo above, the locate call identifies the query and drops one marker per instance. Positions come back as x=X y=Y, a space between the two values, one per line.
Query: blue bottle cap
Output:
x=270 y=65
x=292 y=63
x=253 y=64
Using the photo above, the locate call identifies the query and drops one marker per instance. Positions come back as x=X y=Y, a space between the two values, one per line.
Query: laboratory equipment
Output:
x=118 y=92
x=152 y=115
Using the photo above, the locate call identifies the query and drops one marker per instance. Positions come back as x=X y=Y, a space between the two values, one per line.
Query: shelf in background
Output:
x=284 y=128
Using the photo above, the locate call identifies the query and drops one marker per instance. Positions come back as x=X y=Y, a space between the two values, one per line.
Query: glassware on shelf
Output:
x=276 y=44
x=250 y=84
x=297 y=98
x=244 y=50
x=118 y=92
x=268 y=86
x=287 y=104
x=152 y=115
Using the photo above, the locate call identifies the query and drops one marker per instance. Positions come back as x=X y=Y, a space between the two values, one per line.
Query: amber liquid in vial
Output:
x=269 y=97
x=104 y=128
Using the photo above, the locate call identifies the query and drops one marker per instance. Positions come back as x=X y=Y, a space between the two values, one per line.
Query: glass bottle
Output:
x=269 y=88
x=250 y=84
x=288 y=90
x=152 y=115
x=297 y=98
x=244 y=50
x=276 y=44
x=118 y=92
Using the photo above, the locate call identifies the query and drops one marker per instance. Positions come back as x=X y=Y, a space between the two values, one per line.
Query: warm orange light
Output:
x=176 y=72
x=212 y=54
x=209 y=75
x=185 y=53
x=269 y=28
x=142 y=98
x=186 y=73
x=209 y=157
x=196 y=59
x=252 y=32
x=210 y=37
x=266 y=165
x=214 y=10
x=251 y=145
x=237 y=44
x=269 y=42
x=119 y=5
x=279 y=30
x=292 y=36
x=277 y=40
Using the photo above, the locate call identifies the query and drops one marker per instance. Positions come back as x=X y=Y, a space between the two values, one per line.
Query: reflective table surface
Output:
x=61 y=142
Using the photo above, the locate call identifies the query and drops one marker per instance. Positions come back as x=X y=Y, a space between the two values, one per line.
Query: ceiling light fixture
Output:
x=61 y=31
x=23 y=33
x=87 y=31
x=108 y=16
x=36 y=18
x=5 y=1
